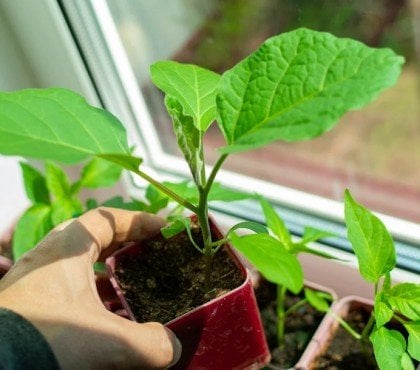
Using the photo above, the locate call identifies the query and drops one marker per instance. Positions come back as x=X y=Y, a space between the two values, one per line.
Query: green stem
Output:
x=295 y=307
x=346 y=326
x=214 y=171
x=281 y=315
x=368 y=328
x=185 y=203
x=203 y=220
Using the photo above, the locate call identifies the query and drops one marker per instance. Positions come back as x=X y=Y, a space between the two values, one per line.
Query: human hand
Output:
x=53 y=286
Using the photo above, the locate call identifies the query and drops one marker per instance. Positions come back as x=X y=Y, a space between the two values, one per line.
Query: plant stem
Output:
x=368 y=328
x=214 y=171
x=185 y=203
x=295 y=307
x=281 y=316
x=346 y=326
x=203 y=220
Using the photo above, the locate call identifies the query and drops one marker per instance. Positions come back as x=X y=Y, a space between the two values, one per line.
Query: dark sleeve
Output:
x=22 y=346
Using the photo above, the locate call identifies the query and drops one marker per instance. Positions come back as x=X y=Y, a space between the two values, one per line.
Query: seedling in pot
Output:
x=275 y=256
x=294 y=87
x=375 y=252
x=55 y=199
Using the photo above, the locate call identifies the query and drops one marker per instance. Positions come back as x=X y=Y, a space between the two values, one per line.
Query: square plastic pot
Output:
x=224 y=333
x=313 y=286
x=326 y=331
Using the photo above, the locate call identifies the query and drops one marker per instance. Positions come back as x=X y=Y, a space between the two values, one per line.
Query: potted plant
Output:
x=291 y=309
x=294 y=87
x=384 y=332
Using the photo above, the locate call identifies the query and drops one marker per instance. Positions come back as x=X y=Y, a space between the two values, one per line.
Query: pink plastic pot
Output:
x=326 y=331
x=224 y=333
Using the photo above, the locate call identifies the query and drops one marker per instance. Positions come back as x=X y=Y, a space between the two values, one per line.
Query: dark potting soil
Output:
x=167 y=280
x=299 y=327
x=345 y=352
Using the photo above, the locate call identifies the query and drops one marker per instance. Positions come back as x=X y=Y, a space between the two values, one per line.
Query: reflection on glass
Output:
x=375 y=152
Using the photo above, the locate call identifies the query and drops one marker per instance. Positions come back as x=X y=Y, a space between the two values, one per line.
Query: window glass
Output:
x=375 y=152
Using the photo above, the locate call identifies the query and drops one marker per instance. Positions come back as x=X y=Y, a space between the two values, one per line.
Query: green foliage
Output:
x=272 y=259
x=318 y=300
x=389 y=347
x=405 y=298
x=194 y=88
x=376 y=254
x=35 y=184
x=189 y=137
x=57 y=125
x=413 y=346
x=371 y=241
x=32 y=226
x=100 y=173
x=297 y=85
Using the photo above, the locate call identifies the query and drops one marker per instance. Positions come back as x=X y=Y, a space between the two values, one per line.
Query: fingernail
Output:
x=177 y=346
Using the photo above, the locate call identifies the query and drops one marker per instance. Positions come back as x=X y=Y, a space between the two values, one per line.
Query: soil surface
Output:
x=299 y=327
x=168 y=279
x=345 y=352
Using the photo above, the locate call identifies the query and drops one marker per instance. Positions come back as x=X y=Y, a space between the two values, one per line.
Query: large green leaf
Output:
x=297 y=85
x=413 y=345
x=34 y=224
x=194 y=87
x=57 y=124
x=389 y=347
x=189 y=138
x=276 y=224
x=100 y=173
x=405 y=298
x=35 y=184
x=371 y=241
x=270 y=257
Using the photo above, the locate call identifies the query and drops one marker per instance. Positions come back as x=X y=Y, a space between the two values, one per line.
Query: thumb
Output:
x=149 y=345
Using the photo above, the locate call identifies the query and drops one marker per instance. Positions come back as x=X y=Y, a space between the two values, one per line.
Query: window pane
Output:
x=375 y=152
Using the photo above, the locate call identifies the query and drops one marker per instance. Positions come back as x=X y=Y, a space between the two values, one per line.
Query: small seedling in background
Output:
x=376 y=255
x=275 y=256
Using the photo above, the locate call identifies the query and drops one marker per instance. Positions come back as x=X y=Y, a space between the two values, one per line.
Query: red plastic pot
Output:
x=326 y=331
x=224 y=333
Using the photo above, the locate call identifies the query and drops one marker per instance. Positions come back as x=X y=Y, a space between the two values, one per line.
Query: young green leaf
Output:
x=302 y=248
x=57 y=181
x=405 y=298
x=194 y=87
x=297 y=85
x=270 y=257
x=276 y=224
x=388 y=346
x=413 y=345
x=371 y=241
x=406 y=362
x=218 y=192
x=250 y=225
x=100 y=173
x=35 y=184
x=310 y=234
x=157 y=200
x=57 y=124
x=119 y=202
x=174 y=228
x=91 y=204
x=63 y=209
x=31 y=228
x=317 y=300
x=189 y=138
x=383 y=313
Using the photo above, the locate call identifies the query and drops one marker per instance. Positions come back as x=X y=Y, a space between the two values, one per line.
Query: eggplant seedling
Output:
x=295 y=87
